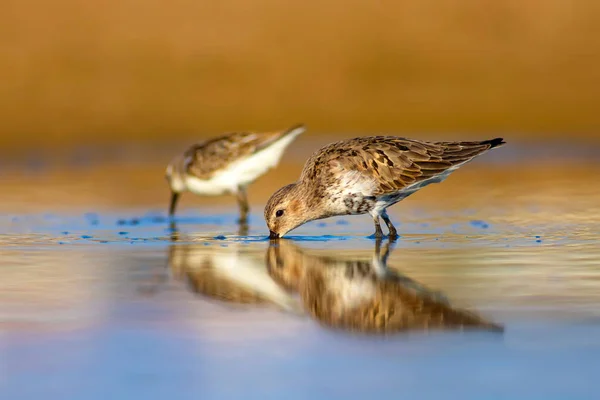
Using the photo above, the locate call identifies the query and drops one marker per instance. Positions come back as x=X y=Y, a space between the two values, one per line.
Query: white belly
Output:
x=210 y=187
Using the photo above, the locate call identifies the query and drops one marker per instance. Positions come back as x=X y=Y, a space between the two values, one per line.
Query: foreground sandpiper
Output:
x=227 y=165
x=366 y=175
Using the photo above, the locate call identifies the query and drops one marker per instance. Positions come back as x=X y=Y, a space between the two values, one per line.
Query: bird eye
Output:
x=279 y=213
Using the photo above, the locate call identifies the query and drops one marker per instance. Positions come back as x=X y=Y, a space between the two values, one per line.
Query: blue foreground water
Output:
x=121 y=306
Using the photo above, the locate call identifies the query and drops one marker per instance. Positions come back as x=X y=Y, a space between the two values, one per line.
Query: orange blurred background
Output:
x=78 y=72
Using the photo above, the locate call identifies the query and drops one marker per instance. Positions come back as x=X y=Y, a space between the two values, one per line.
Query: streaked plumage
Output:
x=366 y=175
x=365 y=296
x=227 y=164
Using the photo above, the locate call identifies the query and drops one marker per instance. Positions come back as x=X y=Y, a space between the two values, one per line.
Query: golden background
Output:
x=78 y=72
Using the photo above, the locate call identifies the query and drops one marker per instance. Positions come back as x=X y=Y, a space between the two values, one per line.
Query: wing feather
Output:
x=211 y=156
x=394 y=163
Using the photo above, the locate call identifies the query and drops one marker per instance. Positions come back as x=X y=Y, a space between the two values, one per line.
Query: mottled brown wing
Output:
x=211 y=156
x=393 y=163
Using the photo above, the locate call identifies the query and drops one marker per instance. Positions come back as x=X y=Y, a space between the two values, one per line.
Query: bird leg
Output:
x=161 y=277
x=173 y=203
x=243 y=203
x=378 y=232
x=378 y=247
x=393 y=234
x=386 y=252
x=380 y=261
x=243 y=231
x=174 y=231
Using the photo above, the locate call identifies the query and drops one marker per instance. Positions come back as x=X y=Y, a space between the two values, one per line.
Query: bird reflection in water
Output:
x=234 y=274
x=207 y=268
x=365 y=296
x=340 y=292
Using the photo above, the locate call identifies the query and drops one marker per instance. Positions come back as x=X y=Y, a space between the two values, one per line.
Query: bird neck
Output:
x=310 y=201
x=176 y=175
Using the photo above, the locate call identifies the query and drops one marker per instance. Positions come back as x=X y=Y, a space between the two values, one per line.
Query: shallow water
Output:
x=100 y=297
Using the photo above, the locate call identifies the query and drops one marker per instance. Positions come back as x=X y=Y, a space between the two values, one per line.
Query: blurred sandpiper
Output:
x=227 y=165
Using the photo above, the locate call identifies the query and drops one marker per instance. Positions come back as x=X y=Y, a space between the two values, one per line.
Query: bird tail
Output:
x=497 y=142
x=295 y=130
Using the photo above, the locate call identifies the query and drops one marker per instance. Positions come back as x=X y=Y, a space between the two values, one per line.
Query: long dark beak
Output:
x=173 y=204
x=273 y=235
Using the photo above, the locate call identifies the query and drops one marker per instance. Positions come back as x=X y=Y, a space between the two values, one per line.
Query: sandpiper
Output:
x=366 y=175
x=365 y=295
x=227 y=165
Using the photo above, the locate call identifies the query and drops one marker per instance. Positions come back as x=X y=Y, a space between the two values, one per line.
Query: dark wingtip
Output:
x=494 y=142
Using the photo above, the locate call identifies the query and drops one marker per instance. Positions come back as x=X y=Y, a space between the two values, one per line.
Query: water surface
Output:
x=100 y=297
